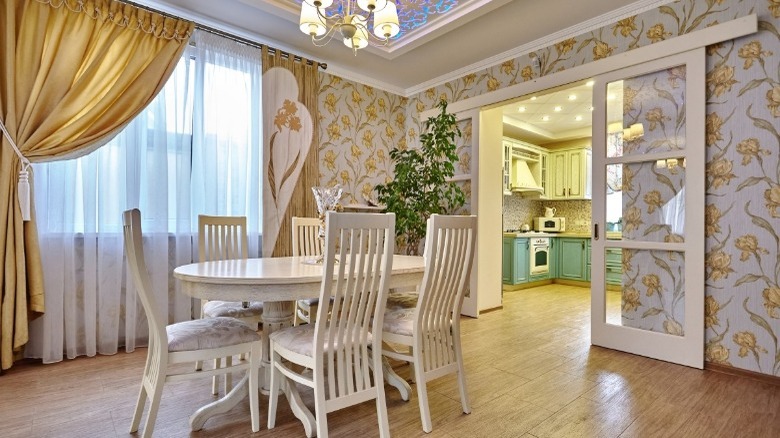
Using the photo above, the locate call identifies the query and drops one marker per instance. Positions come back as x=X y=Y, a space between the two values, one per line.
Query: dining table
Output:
x=278 y=282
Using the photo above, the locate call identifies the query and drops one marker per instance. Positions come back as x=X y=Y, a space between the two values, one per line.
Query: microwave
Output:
x=550 y=224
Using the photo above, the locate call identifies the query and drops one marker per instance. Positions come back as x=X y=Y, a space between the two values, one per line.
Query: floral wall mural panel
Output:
x=360 y=126
x=286 y=141
x=653 y=293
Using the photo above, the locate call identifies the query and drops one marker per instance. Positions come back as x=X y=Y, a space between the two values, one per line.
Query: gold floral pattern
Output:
x=748 y=344
x=751 y=52
x=743 y=192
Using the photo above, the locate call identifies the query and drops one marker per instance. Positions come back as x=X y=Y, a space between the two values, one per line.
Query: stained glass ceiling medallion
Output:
x=415 y=13
x=412 y=14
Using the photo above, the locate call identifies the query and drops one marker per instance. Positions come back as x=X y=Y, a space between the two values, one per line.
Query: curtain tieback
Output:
x=23 y=187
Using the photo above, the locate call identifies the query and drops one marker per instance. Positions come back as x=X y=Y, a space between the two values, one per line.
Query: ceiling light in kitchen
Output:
x=521 y=109
x=578 y=118
x=572 y=97
x=533 y=97
x=558 y=109
x=545 y=118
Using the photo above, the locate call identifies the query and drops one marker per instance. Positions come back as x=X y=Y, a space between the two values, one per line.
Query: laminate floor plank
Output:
x=531 y=372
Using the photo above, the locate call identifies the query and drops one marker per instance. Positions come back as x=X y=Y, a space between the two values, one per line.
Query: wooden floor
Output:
x=530 y=367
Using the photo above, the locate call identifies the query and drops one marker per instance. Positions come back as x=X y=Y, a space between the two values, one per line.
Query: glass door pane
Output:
x=648 y=155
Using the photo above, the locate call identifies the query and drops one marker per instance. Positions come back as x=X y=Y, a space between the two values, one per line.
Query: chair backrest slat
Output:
x=305 y=236
x=222 y=238
x=449 y=245
x=133 y=241
x=358 y=261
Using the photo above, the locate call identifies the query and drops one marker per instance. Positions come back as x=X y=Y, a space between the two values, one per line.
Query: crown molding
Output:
x=439 y=26
x=224 y=27
x=572 y=31
x=336 y=70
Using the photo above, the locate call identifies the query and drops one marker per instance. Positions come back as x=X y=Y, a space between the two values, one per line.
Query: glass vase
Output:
x=327 y=199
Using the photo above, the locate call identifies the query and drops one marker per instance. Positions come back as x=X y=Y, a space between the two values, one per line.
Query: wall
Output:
x=359 y=125
x=743 y=174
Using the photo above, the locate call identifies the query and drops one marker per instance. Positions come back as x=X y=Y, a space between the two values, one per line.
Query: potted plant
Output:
x=420 y=187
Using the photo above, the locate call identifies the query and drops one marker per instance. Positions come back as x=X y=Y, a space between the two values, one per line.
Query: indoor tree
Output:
x=420 y=187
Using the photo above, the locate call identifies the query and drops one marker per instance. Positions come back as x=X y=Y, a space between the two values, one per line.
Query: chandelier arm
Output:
x=325 y=17
x=328 y=36
x=337 y=20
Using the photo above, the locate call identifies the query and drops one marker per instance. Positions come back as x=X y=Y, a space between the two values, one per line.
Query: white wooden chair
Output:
x=225 y=238
x=184 y=342
x=338 y=346
x=431 y=329
x=305 y=242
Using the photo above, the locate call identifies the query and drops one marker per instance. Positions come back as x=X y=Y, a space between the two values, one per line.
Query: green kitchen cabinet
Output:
x=613 y=261
x=572 y=258
x=506 y=261
x=515 y=269
x=614 y=266
x=588 y=252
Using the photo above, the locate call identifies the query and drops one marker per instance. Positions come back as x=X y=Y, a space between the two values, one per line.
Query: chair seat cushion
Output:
x=300 y=339
x=399 y=321
x=208 y=333
x=232 y=309
x=402 y=300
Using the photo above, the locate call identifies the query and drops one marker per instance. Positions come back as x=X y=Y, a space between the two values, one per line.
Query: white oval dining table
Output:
x=278 y=282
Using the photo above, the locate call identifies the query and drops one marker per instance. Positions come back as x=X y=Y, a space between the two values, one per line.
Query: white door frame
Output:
x=687 y=349
x=487 y=242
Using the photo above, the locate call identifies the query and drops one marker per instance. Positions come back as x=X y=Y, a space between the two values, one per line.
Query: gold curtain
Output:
x=72 y=75
x=302 y=203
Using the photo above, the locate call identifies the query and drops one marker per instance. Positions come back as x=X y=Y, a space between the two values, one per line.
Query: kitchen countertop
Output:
x=611 y=235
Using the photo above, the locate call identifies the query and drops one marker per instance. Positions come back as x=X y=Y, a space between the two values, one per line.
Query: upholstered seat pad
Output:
x=232 y=309
x=208 y=333
x=300 y=339
x=402 y=300
x=399 y=321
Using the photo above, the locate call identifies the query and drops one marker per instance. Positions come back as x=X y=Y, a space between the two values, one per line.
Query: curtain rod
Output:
x=227 y=35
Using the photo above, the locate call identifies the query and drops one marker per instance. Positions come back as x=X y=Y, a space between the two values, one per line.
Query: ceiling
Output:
x=553 y=116
x=448 y=38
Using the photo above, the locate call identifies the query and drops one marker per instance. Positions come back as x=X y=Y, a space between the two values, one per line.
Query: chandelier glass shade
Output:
x=352 y=21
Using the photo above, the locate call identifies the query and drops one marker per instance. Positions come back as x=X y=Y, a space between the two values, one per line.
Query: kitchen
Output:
x=547 y=191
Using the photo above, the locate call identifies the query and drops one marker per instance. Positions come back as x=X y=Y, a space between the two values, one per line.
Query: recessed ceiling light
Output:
x=591 y=108
x=589 y=83
x=558 y=108
x=533 y=97
x=578 y=118
x=545 y=118
x=572 y=97
x=521 y=109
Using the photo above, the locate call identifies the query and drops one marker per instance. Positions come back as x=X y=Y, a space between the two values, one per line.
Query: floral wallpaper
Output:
x=359 y=126
x=742 y=305
x=653 y=203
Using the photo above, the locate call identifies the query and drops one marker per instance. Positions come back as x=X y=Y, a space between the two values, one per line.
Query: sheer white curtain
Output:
x=227 y=141
x=195 y=149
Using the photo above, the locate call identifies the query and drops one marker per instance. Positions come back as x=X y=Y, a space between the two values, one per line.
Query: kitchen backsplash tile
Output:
x=519 y=211
x=577 y=214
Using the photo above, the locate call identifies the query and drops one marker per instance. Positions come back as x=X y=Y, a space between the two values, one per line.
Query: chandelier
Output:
x=350 y=22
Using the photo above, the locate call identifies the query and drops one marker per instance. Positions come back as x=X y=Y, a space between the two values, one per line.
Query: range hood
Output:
x=523 y=179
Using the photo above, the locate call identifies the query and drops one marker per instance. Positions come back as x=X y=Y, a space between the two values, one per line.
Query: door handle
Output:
x=595 y=231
